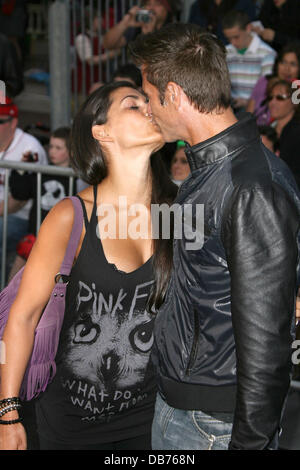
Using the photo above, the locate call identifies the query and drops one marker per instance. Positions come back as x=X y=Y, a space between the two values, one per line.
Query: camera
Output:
x=143 y=16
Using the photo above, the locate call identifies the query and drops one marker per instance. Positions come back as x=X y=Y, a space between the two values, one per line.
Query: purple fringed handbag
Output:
x=41 y=367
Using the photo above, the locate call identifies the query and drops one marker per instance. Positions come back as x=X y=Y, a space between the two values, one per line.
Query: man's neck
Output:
x=209 y=125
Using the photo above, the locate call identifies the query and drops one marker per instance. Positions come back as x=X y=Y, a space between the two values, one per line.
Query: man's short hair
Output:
x=190 y=57
x=235 y=18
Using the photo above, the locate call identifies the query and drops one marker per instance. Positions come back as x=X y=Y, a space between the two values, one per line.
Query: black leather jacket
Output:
x=223 y=335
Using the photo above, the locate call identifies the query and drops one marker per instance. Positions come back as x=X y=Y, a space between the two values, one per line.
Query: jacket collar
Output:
x=223 y=144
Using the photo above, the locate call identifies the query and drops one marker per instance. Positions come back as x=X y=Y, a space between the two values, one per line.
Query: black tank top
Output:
x=104 y=388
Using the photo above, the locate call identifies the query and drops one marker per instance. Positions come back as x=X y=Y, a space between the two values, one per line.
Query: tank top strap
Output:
x=86 y=222
x=94 y=211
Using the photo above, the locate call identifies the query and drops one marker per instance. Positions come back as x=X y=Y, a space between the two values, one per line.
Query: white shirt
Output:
x=21 y=144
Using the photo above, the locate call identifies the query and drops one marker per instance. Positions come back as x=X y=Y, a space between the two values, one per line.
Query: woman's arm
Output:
x=34 y=292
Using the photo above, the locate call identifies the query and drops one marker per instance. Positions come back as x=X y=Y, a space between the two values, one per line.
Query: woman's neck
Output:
x=132 y=179
x=281 y=123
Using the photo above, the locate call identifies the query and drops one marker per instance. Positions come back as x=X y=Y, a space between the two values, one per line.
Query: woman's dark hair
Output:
x=63 y=133
x=89 y=162
x=292 y=47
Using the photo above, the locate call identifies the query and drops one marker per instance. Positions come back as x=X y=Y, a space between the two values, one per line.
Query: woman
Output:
x=162 y=12
x=209 y=13
x=286 y=67
x=285 y=115
x=102 y=396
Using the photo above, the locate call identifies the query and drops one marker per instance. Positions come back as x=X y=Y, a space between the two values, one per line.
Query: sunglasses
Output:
x=278 y=97
x=4 y=121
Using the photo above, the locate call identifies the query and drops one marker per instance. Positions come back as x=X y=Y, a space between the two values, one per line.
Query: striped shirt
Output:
x=245 y=69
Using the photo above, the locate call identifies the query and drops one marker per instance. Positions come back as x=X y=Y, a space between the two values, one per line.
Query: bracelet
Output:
x=6 y=401
x=9 y=408
x=13 y=421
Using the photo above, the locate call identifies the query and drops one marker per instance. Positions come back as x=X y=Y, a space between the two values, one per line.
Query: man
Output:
x=248 y=57
x=15 y=144
x=223 y=336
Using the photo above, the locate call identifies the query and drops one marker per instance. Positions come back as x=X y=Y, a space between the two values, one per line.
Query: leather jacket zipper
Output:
x=194 y=349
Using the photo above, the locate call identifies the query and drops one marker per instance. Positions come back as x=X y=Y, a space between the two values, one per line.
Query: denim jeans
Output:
x=175 y=429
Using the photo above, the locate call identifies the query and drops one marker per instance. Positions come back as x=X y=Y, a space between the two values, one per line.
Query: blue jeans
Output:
x=174 y=429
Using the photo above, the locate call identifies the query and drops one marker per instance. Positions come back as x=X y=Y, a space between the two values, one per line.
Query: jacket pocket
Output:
x=194 y=350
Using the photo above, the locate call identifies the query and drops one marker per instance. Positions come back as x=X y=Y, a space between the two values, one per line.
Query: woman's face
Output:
x=128 y=122
x=280 y=102
x=158 y=9
x=180 y=168
x=58 y=152
x=288 y=68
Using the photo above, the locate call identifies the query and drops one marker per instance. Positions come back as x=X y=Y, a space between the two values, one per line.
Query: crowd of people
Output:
x=166 y=345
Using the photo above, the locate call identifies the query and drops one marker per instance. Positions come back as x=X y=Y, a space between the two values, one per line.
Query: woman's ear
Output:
x=100 y=133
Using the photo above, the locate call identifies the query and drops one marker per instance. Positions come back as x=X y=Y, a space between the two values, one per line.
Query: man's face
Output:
x=161 y=112
x=239 y=38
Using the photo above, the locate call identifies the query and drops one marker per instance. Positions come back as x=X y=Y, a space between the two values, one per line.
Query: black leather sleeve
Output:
x=260 y=239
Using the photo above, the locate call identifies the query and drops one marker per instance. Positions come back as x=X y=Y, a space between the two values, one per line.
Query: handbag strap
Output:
x=74 y=237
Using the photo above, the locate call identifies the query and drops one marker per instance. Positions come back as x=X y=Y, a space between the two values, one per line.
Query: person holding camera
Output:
x=152 y=16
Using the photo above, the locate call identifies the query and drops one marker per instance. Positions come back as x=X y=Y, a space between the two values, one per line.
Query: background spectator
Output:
x=248 y=57
x=287 y=124
x=286 y=67
x=53 y=189
x=13 y=21
x=180 y=168
x=209 y=13
x=89 y=56
x=281 y=21
x=16 y=144
x=162 y=12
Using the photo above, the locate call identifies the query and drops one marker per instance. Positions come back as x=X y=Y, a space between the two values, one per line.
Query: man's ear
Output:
x=100 y=133
x=173 y=94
